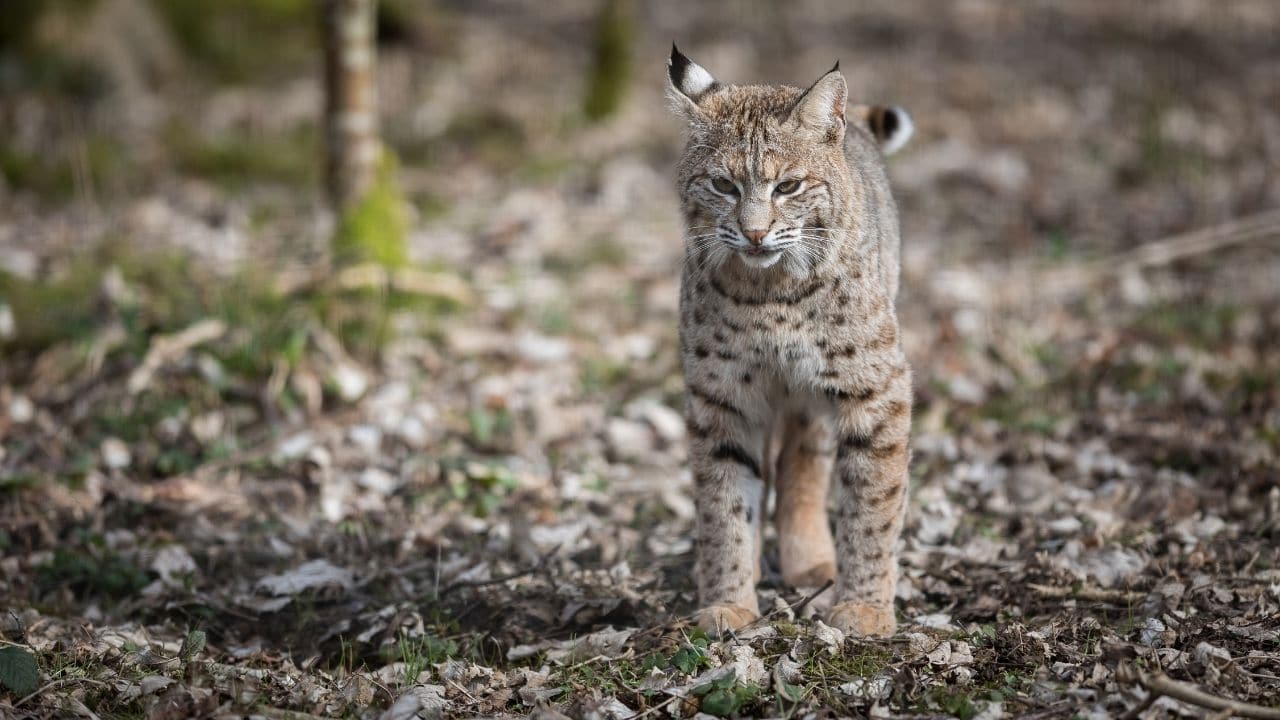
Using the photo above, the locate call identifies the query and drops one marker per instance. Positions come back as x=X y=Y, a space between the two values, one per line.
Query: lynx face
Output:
x=764 y=167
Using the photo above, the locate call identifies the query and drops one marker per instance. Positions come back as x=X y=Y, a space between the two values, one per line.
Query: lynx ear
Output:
x=690 y=82
x=821 y=107
x=889 y=124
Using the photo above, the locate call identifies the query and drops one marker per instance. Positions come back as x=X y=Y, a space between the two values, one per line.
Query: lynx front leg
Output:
x=724 y=457
x=871 y=493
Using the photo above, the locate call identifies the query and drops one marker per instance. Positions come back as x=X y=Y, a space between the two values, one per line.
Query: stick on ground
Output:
x=1158 y=684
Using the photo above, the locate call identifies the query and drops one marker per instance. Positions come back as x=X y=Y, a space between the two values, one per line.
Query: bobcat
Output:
x=790 y=346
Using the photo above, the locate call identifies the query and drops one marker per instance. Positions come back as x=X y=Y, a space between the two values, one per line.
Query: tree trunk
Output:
x=351 y=103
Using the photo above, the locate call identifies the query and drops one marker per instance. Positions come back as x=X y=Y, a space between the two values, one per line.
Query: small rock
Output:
x=349 y=381
x=367 y=437
x=412 y=431
x=628 y=439
x=207 y=427
x=540 y=349
x=377 y=480
x=294 y=446
x=21 y=410
x=115 y=454
x=638 y=346
x=965 y=390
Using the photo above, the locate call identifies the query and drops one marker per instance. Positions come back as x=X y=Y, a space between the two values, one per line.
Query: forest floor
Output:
x=230 y=488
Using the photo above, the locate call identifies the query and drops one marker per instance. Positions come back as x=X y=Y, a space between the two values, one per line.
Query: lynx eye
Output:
x=724 y=185
x=786 y=187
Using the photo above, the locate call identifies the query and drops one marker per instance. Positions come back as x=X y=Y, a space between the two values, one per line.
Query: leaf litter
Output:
x=491 y=514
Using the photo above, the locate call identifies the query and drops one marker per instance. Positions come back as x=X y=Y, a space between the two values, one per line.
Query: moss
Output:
x=610 y=71
x=375 y=228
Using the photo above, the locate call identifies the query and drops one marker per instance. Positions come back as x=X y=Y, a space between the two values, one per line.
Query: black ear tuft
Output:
x=688 y=78
x=835 y=67
x=677 y=66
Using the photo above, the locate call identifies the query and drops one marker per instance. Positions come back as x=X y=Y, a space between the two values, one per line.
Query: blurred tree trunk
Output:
x=611 y=66
x=360 y=174
x=351 y=103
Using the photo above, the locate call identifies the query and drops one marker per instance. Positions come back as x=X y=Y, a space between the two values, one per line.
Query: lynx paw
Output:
x=715 y=620
x=861 y=619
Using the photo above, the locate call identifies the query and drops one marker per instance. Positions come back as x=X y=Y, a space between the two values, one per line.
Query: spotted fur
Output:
x=792 y=356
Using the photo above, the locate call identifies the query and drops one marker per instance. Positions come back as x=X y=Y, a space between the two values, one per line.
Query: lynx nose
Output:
x=755 y=236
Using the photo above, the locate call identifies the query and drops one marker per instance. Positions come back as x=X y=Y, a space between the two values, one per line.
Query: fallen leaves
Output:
x=312 y=576
x=492 y=514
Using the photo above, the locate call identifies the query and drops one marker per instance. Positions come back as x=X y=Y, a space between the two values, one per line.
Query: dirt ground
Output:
x=223 y=496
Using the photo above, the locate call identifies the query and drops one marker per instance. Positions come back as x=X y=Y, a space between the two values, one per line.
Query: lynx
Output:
x=793 y=364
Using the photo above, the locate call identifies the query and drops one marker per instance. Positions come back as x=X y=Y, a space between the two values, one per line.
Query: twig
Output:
x=1158 y=684
x=464 y=692
x=804 y=602
x=167 y=348
x=1088 y=593
x=655 y=708
x=1263 y=225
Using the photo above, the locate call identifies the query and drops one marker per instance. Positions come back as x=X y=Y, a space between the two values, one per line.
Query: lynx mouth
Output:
x=760 y=251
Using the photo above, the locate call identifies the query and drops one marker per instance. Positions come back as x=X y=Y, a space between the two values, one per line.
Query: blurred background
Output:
x=209 y=377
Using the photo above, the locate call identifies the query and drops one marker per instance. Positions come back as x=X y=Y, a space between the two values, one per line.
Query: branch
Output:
x=809 y=598
x=167 y=348
x=1260 y=226
x=1158 y=684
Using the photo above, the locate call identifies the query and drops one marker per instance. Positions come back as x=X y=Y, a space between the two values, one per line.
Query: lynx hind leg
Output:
x=805 y=548
x=871 y=477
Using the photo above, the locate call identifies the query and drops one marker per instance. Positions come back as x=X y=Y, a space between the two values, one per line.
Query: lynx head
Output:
x=764 y=176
